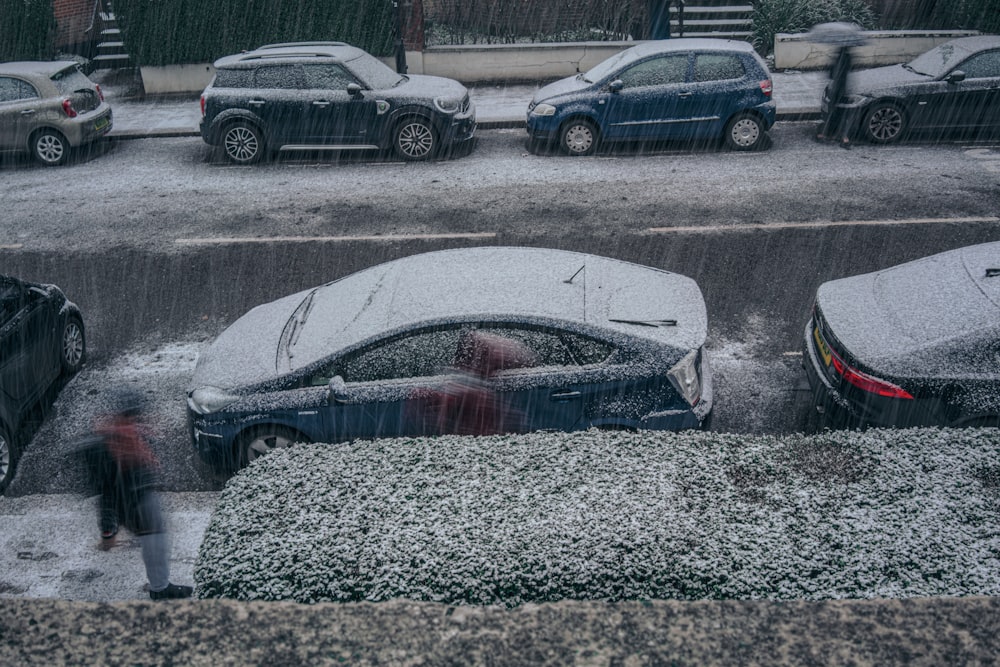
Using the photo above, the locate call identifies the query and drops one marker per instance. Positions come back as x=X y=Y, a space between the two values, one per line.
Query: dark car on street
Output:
x=677 y=89
x=953 y=88
x=470 y=341
x=311 y=96
x=48 y=109
x=41 y=340
x=913 y=345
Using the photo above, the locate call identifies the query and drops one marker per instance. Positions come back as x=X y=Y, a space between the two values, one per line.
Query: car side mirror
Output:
x=354 y=90
x=616 y=85
x=338 y=389
x=956 y=76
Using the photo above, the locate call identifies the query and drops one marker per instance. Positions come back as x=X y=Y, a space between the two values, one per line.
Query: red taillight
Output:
x=100 y=93
x=766 y=87
x=202 y=106
x=68 y=108
x=866 y=382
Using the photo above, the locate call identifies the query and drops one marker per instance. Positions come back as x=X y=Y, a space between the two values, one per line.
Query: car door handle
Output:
x=321 y=103
x=256 y=103
x=564 y=395
x=685 y=95
x=28 y=112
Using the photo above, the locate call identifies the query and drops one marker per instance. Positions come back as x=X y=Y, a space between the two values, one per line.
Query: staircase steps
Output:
x=712 y=18
x=110 y=50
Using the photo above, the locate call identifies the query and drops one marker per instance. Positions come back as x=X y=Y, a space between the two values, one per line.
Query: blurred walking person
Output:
x=122 y=469
x=837 y=121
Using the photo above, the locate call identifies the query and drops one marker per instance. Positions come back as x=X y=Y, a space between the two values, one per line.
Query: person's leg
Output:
x=156 y=557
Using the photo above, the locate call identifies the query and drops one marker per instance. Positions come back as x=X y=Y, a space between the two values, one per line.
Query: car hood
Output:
x=420 y=85
x=910 y=319
x=570 y=84
x=246 y=352
x=881 y=80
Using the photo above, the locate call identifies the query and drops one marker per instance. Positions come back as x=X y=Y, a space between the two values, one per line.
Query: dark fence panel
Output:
x=28 y=29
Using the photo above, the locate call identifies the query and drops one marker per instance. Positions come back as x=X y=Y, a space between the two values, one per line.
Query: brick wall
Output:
x=73 y=17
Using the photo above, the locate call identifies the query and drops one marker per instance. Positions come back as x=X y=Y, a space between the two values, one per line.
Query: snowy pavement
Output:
x=49 y=548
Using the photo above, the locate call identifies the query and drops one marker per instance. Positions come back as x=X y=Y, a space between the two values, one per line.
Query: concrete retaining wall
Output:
x=883 y=48
x=518 y=63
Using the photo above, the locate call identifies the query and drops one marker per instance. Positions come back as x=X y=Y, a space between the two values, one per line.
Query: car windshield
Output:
x=376 y=74
x=605 y=68
x=938 y=61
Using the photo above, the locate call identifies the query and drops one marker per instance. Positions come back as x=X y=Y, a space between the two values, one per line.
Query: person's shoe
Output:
x=172 y=592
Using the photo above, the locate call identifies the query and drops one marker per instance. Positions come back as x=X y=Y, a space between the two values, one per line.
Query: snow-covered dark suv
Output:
x=311 y=96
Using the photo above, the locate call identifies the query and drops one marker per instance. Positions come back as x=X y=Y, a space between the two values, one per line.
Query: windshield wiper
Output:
x=993 y=273
x=647 y=323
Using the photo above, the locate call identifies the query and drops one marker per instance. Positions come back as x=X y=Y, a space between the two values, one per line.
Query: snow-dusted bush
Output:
x=613 y=516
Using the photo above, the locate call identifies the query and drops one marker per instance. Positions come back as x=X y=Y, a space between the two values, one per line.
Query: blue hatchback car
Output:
x=676 y=89
x=472 y=341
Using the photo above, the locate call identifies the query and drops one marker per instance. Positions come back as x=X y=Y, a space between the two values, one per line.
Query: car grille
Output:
x=466 y=102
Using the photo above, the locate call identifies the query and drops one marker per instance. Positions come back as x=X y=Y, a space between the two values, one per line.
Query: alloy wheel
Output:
x=415 y=140
x=50 y=149
x=242 y=144
x=72 y=345
x=885 y=124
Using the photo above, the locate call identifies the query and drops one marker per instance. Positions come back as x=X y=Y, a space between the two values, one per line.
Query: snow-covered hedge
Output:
x=613 y=516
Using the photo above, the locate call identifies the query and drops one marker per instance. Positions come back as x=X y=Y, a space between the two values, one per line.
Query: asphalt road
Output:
x=162 y=246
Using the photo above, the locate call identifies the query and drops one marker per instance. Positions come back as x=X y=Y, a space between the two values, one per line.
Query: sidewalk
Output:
x=797 y=95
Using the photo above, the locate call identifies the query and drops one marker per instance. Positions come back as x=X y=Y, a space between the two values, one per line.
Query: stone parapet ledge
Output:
x=883 y=47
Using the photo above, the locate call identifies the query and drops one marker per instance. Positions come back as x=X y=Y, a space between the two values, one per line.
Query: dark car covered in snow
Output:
x=912 y=345
x=676 y=89
x=310 y=96
x=954 y=87
x=469 y=341
x=41 y=340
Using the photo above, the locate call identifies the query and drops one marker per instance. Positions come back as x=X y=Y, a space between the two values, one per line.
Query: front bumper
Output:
x=462 y=128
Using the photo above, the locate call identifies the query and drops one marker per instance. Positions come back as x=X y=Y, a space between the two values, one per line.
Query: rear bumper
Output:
x=90 y=126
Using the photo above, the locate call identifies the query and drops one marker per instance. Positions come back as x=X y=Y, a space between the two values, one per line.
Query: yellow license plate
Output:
x=101 y=123
x=824 y=351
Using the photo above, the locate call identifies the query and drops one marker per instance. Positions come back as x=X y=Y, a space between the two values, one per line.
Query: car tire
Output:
x=72 y=346
x=744 y=132
x=579 y=137
x=243 y=143
x=884 y=123
x=263 y=439
x=49 y=148
x=8 y=459
x=414 y=139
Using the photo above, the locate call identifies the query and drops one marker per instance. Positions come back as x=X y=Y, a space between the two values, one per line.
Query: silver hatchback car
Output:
x=50 y=108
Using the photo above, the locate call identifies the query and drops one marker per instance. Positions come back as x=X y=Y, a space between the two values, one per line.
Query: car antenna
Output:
x=570 y=281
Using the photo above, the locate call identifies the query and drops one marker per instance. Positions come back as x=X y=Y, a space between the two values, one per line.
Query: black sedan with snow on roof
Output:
x=911 y=345
x=472 y=341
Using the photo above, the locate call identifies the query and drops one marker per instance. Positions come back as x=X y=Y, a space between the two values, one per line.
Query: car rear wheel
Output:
x=49 y=148
x=265 y=439
x=8 y=459
x=884 y=123
x=744 y=132
x=243 y=143
x=414 y=139
x=578 y=137
x=74 y=347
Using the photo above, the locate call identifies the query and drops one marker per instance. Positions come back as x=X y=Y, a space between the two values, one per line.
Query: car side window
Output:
x=422 y=354
x=233 y=78
x=557 y=348
x=327 y=77
x=982 y=66
x=11 y=300
x=656 y=72
x=12 y=90
x=718 y=67
x=283 y=77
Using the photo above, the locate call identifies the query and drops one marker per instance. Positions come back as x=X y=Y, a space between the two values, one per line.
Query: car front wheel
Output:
x=243 y=143
x=50 y=148
x=578 y=137
x=884 y=123
x=414 y=139
x=8 y=459
x=265 y=439
x=744 y=132
x=73 y=347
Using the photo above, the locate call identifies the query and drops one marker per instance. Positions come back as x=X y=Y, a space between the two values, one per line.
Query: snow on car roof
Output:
x=43 y=67
x=899 y=318
x=471 y=282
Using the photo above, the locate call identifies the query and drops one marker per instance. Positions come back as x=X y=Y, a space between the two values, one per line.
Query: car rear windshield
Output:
x=69 y=80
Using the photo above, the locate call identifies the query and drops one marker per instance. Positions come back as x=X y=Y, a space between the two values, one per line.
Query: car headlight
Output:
x=544 y=110
x=448 y=104
x=685 y=376
x=206 y=400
